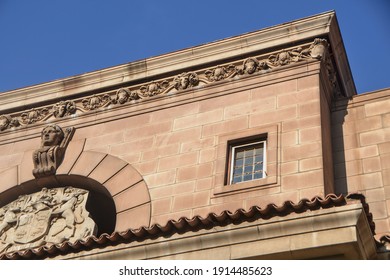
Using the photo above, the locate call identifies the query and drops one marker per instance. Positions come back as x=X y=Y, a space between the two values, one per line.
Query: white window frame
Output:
x=232 y=157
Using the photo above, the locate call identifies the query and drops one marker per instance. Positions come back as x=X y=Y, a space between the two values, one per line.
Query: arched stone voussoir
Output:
x=102 y=174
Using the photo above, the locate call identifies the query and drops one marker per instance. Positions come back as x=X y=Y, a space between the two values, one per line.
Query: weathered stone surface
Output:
x=50 y=216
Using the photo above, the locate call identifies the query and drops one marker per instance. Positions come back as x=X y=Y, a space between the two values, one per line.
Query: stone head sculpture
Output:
x=51 y=153
x=52 y=135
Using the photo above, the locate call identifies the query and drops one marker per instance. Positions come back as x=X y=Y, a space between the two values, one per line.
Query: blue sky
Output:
x=45 y=40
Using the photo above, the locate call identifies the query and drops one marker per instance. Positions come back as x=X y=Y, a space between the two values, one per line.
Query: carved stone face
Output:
x=250 y=66
x=122 y=96
x=4 y=122
x=51 y=136
x=61 y=109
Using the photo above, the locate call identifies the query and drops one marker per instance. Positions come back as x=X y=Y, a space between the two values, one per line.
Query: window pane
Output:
x=258 y=175
x=249 y=153
x=248 y=177
x=240 y=154
x=238 y=162
x=237 y=179
x=248 y=169
x=237 y=171
x=258 y=159
x=258 y=167
x=249 y=161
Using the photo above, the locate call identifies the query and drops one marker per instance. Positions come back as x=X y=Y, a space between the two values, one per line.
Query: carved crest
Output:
x=48 y=217
x=49 y=156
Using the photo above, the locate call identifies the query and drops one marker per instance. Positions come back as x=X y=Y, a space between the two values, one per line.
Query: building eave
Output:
x=321 y=25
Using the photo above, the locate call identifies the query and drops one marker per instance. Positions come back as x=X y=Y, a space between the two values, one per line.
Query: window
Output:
x=247 y=161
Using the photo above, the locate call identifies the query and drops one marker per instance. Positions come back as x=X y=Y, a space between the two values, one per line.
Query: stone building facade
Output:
x=252 y=147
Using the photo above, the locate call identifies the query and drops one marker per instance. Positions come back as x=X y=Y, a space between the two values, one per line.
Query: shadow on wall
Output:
x=338 y=143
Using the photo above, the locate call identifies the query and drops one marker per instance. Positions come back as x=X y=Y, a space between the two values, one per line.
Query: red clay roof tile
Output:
x=193 y=224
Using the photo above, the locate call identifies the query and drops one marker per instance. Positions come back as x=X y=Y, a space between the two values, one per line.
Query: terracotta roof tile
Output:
x=193 y=224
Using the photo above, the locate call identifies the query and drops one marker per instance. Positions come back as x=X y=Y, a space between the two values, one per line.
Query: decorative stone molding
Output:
x=50 y=216
x=7 y=122
x=51 y=153
x=34 y=115
x=95 y=102
x=64 y=108
x=317 y=50
x=185 y=80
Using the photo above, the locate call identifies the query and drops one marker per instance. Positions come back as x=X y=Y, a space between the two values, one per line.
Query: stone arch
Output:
x=105 y=175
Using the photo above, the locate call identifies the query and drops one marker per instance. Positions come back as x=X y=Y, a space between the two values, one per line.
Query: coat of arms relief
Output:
x=50 y=216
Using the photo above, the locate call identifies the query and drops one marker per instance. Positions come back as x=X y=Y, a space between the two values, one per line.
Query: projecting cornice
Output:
x=258 y=52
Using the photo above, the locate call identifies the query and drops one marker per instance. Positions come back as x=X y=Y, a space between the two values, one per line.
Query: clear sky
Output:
x=45 y=40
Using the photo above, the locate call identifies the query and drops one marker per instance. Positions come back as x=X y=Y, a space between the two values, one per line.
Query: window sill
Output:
x=249 y=185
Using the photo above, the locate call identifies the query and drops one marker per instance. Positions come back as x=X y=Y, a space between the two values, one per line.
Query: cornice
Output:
x=317 y=50
x=178 y=61
x=266 y=51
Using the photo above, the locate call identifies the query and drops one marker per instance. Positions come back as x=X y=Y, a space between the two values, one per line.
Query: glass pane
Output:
x=258 y=167
x=240 y=154
x=238 y=163
x=259 y=151
x=237 y=179
x=248 y=169
x=258 y=159
x=249 y=161
x=258 y=175
x=248 y=177
x=249 y=153
x=237 y=171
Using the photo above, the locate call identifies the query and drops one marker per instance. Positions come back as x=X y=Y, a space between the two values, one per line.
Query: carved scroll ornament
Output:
x=50 y=216
x=49 y=156
x=317 y=50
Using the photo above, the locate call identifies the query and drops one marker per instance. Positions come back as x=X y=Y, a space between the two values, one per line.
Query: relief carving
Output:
x=34 y=115
x=185 y=80
x=96 y=101
x=221 y=73
x=51 y=153
x=318 y=49
x=64 y=108
x=124 y=95
x=7 y=122
x=50 y=216
x=153 y=89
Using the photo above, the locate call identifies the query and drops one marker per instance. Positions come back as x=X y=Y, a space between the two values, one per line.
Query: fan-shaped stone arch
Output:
x=103 y=174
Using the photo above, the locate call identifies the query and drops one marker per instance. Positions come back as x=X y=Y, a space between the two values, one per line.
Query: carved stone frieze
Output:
x=153 y=89
x=64 y=108
x=96 y=101
x=50 y=216
x=7 y=122
x=49 y=156
x=124 y=95
x=185 y=80
x=220 y=73
x=317 y=50
x=34 y=115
